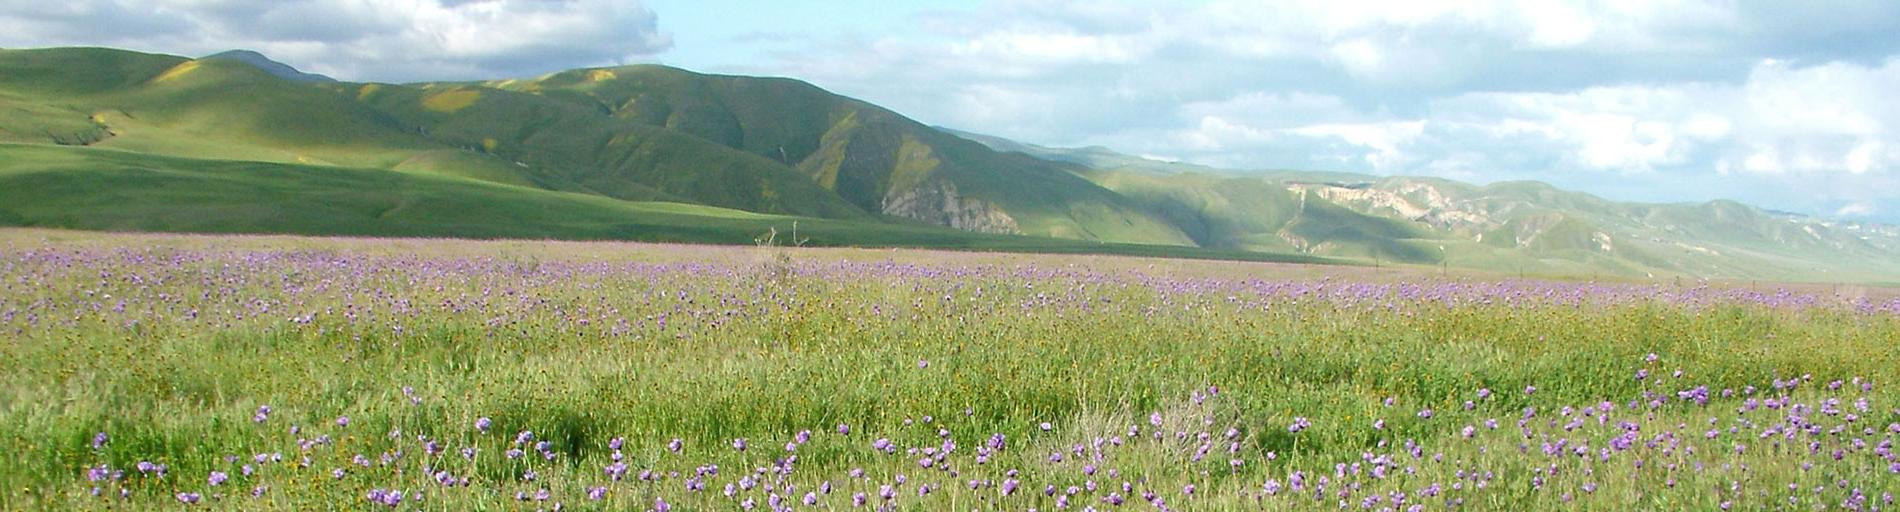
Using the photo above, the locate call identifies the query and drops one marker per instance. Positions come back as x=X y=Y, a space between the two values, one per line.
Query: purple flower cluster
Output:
x=1791 y=443
x=1561 y=451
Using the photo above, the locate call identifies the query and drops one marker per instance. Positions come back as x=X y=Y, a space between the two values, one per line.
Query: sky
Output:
x=1788 y=105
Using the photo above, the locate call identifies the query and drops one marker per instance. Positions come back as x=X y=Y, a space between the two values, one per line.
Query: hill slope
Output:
x=561 y=146
x=229 y=109
x=1508 y=226
x=277 y=69
x=635 y=133
x=111 y=139
x=104 y=189
x=876 y=159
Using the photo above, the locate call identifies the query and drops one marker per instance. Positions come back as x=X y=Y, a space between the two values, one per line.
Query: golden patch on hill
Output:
x=450 y=101
x=177 y=71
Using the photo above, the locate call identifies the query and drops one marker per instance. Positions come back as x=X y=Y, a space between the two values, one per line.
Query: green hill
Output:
x=878 y=160
x=224 y=109
x=1521 y=226
x=110 y=139
x=561 y=146
x=635 y=133
x=261 y=62
x=104 y=189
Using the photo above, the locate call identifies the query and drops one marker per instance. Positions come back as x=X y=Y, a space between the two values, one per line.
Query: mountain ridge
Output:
x=625 y=137
x=1526 y=215
x=262 y=62
x=877 y=159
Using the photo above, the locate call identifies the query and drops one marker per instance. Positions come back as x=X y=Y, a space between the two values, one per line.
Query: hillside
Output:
x=226 y=109
x=560 y=146
x=754 y=144
x=110 y=139
x=878 y=160
x=1509 y=226
x=265 y=64
x=111 y=190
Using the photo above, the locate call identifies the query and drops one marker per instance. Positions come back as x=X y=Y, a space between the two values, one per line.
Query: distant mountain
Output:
x=1105 y=159
x=277 y=69
x=1522 y=226
x=109 y=139
x=1095 y=157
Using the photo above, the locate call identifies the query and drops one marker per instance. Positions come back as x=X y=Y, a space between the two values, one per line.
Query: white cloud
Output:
x=1834 y=117
x=1383 y=142
x=396 y=40
x=1855 y=209
x=1050 y=47
x=1129 y=63
x=1824 y=119
x=1791 y=102
x=1352 y=24
x=1275 y=110
x=1486 y=89
x=1621 y=128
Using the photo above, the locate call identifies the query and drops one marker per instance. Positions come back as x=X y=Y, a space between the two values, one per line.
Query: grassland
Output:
x=729 y=142
x=109 y=190
x=299 y=373
x=593 y=153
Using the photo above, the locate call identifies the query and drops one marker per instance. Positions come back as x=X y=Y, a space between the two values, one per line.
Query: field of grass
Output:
x=648 y=133
x=241 y=372
x=217 y=145
x=108 y=190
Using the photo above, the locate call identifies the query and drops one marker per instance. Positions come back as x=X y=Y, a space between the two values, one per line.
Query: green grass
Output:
x=226 y=110
x=643 y=134
x=206 y=109
x=761 y=345
x=863 y=153
x=560 y=146
x=98 y=189
x=31 y=121
x=63 y=72
x=658 y=133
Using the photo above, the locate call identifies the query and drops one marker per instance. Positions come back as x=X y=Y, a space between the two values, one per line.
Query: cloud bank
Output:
x=385 y=40
x=1787 y=105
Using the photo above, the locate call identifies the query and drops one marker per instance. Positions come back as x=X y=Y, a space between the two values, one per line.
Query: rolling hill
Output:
x=265 y=64
x=95 y=138
x=1518 y=226
x=112 y=190
x=878 y=160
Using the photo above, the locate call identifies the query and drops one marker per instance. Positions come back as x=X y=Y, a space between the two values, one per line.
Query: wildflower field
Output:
x=177 y=372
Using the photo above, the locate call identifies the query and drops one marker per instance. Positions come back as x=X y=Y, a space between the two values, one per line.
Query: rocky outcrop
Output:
x=937 y=202
x=1417 y=202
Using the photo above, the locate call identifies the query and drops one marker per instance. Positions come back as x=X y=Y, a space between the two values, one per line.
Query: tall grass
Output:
x=170 y=351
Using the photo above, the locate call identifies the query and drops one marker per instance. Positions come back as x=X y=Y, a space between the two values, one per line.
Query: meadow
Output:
x=246 y=372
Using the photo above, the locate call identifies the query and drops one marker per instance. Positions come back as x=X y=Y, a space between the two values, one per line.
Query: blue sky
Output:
x=1788 y=105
